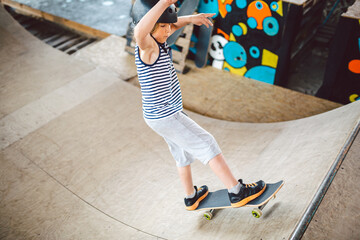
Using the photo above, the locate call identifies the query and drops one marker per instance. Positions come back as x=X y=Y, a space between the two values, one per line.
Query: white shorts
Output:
x=186 y=139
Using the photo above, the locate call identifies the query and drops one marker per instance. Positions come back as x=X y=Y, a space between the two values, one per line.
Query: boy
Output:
x=162 y=103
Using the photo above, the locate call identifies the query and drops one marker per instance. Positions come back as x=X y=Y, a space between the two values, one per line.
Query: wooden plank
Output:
x=57 y=41
x=179 y=57
x=183 y=42
x=52 y=37
x=70 y=43
x=79 y=45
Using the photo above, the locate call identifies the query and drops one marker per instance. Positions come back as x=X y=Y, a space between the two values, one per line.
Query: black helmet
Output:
x=141 y=7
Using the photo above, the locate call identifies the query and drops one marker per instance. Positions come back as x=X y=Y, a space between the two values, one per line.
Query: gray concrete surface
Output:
x=111 y=16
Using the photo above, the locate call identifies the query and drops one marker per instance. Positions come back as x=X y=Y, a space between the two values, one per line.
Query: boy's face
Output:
x=162 y=32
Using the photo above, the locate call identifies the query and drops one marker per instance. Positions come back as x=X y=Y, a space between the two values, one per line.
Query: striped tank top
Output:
x=160 y=87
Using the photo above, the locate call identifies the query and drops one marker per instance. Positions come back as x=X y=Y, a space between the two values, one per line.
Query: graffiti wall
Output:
x=247 y=36
x=342 y=76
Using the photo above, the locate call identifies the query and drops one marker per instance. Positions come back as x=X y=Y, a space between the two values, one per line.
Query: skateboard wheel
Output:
x=256 y=213
x=208 y=215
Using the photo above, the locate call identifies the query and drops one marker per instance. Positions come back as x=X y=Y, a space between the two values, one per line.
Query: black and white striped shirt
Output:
x=160 y=87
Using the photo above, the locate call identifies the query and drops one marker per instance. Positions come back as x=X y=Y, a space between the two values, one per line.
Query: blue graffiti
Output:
x=262 y=73
x=254 y=52
x=241 y=4
x=237 y=30
x=235 y=55
x=259 y=5
x=271 y=26
x=252 y=22
x=209 y=6
x=274 y=6
x=228 y=8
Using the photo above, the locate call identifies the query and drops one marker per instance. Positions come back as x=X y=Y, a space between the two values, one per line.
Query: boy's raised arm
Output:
x=146 y=24
x=199 y=19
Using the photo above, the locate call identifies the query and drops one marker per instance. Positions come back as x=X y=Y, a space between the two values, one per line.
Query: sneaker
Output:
x=247 y=193
x=193 y=203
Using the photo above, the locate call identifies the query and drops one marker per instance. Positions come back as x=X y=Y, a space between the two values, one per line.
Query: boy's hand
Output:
x=202 y=19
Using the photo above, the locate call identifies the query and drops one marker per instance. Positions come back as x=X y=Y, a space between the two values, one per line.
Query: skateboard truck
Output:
x=209 y=214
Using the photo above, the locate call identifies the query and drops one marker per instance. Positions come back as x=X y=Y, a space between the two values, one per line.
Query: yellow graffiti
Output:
x=238 y=71
x=232 y=38
x=280 y=8
x=244 y=28
x=353 y=97
x=269 y=59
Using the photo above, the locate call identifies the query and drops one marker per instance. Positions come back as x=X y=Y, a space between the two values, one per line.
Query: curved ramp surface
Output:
x=96 y=171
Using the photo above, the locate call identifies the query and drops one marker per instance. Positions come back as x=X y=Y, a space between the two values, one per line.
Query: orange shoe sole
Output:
x=196 y=204
x=248 y=199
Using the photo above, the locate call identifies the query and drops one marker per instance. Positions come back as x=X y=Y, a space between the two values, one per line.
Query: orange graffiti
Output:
x=222 y=7
x=259 y=10
x=226 y=36
x=354 y=66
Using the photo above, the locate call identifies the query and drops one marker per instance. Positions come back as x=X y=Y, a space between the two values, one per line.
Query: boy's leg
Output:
x=186 y=179
x=193 y=195
x=239 y=193
x=222 y=170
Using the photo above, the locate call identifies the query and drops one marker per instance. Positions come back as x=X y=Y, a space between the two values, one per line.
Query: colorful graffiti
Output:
x=354 y=67
x=342 y=75
x=246 y=36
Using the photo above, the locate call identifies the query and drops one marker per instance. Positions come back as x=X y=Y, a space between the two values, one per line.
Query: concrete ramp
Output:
x=94 y=170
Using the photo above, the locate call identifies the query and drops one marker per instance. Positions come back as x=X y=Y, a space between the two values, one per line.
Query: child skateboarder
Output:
x=162 y=103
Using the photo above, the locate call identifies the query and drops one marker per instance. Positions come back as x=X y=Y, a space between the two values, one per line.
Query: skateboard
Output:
x=203 y=45
x=220 y=199
x=188 y=7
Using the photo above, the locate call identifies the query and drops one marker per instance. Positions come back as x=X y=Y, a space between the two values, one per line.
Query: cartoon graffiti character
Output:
x=235 y=55
x=259 y=17
x=216 y=50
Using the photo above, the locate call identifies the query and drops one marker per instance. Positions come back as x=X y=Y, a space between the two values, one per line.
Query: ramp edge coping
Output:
x=315 y=203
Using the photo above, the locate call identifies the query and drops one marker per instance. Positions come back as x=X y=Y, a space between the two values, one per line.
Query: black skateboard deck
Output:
x=220 y=199
x=202 y=46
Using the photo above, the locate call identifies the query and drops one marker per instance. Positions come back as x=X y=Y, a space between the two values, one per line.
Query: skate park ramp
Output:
x=78 y=161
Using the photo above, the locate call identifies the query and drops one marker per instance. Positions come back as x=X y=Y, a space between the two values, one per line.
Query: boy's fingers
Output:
x=208 y=22
x=209 y=14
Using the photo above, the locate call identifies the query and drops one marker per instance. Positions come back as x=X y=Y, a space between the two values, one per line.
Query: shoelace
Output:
x=250 y=185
